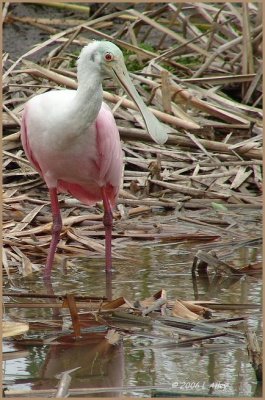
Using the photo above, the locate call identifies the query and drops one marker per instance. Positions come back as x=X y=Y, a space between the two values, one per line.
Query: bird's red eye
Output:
x=108 y=57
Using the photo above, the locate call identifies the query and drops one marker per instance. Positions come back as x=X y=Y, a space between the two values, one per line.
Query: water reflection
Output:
x=147 y=269
x=100 y=363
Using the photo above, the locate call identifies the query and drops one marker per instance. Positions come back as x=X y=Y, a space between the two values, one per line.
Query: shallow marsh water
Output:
x=142 y=360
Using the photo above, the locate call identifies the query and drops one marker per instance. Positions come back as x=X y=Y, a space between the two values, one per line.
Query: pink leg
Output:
x=107 y=221
x=56 y=230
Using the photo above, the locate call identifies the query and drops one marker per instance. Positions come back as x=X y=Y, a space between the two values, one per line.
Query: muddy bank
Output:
x=19 y=38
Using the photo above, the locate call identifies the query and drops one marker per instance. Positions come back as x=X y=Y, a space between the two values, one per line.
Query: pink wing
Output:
x=109 y=147
x=110 y=153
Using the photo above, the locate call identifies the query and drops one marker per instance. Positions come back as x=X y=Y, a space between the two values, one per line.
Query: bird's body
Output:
x=71 y=138
x=80 y=160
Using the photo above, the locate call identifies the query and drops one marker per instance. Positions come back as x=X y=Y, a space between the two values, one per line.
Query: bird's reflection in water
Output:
x=109 y=285
x=100 y=363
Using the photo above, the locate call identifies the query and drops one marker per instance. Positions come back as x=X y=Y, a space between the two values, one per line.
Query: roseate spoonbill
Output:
x=71 y=138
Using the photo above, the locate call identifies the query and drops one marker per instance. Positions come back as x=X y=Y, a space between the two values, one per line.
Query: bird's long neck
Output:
x=88 y=98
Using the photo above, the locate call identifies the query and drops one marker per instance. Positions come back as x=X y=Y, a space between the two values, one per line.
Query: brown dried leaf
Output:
x=180 y=310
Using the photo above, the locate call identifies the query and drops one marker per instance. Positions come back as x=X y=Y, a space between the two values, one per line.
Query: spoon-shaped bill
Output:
x=155 y=129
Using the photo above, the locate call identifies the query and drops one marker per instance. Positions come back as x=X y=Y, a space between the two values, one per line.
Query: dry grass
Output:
x=200 y=74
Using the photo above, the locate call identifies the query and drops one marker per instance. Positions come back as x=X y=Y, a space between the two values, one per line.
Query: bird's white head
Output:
x=104 y=56
x=108 y=59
